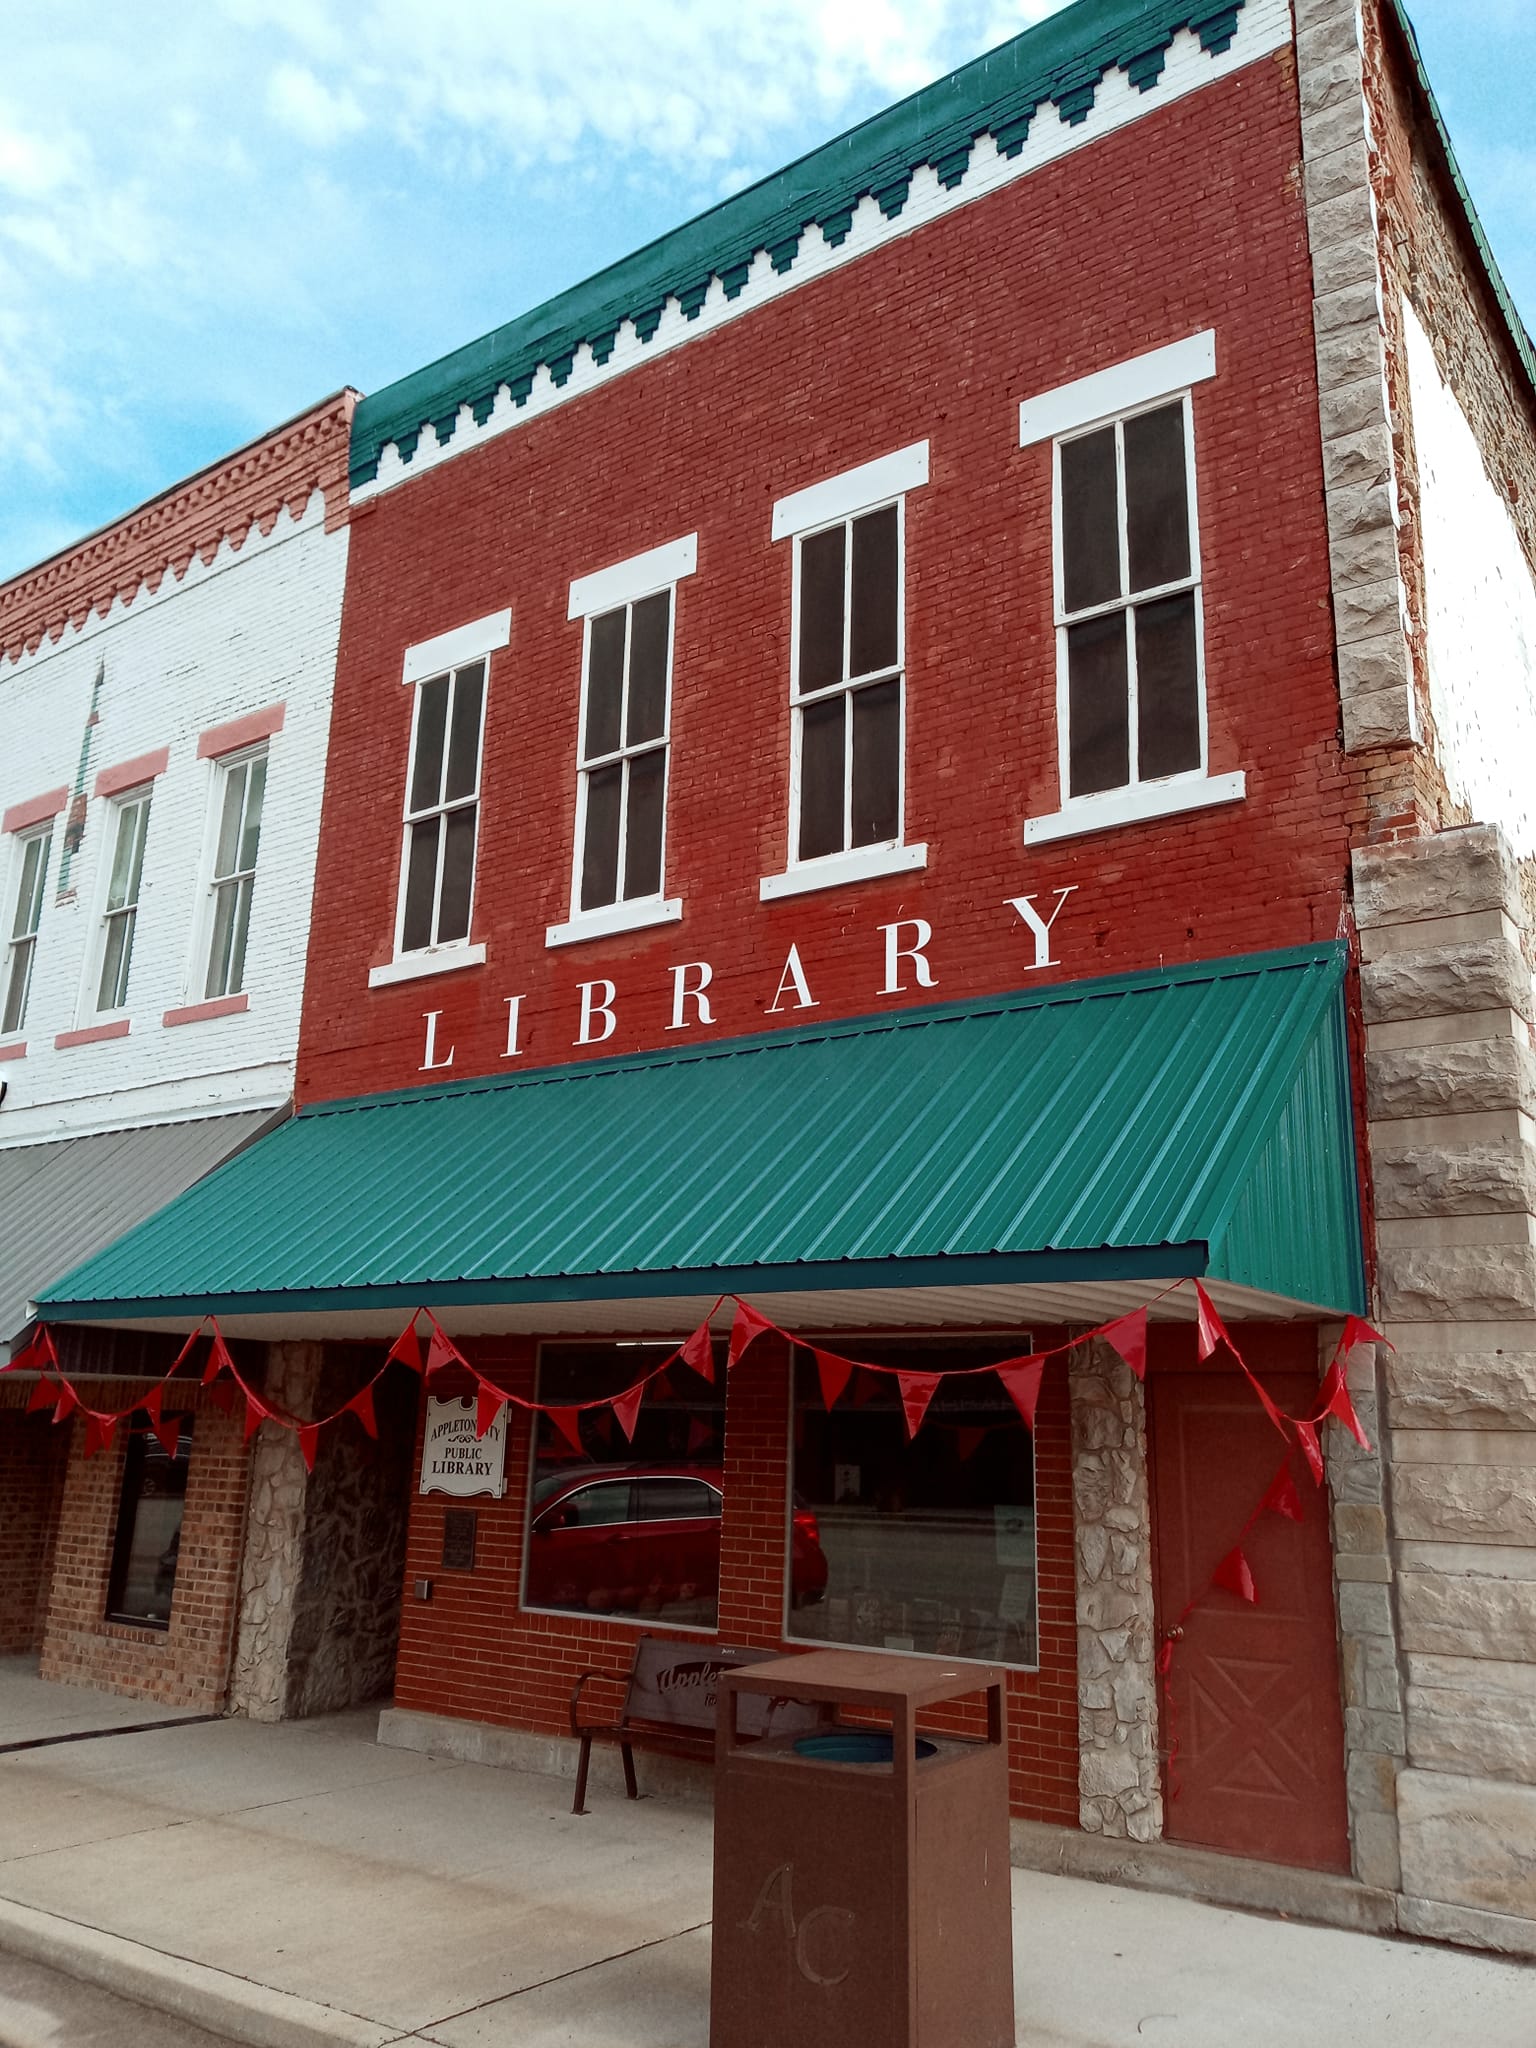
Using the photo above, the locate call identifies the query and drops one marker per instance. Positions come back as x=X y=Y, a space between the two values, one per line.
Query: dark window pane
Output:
x=648 y=632
x=458 y=873
x=1157 y=497
x=821 y=608
x=255 y=797
x=821 y=778
x=148 y=1538
x=1098 y=724
x=595 y=1506
x=642 y=852
x=464 y=739
x=876 y=593
x=600 y=849
x=431 y=717
x=420 y=885
x=877 y=763
x=675 y=1500
x=1167 y=687
x=605 y=684
x=1090 y=521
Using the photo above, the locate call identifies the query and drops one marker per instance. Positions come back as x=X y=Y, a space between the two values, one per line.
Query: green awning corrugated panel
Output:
x=1195 y=1120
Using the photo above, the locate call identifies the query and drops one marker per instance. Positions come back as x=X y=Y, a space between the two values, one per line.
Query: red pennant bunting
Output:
x=968 y=1442
x=99 y=1432
x=1335 y=1401
x=185 y=1352
x=256 y=1412
x=568 y=1422
x=1128 y=1334
x=441 y=1351
x=43 y=1395
x=627 y=1408
x=223 y=1397
x=746 y=1327
x=69 y=1401
x=36 y=1354
x=489 y=1402
x=168 y=1429
x=1280 y=1421
x=1282 y=1497
x=917 y=1390
x=699 y=1353
x=406 y=1347
x=834 y=1373
x=218 y=1358
x=661 y=1385
x=309 y=1443
x=1233 y=1575
x=1311 y=1449
x=1021 y=1382
x=361 y=1405
x=699 y=1433
x=1357 y=1331
x=151 y=1402
x=1210 y=1329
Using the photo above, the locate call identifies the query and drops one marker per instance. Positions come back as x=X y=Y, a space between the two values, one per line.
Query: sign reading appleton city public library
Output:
x=454 y=1460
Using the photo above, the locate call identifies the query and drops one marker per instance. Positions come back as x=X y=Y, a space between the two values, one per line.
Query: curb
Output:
x=232 y=2006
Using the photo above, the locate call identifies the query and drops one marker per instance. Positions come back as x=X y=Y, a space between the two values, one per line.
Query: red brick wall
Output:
x=186 y=1664
x=470 y=1652
x=31 y=1480
x=1190 y=218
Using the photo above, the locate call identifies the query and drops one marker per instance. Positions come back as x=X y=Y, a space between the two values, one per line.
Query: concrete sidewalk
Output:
x=296 y=1885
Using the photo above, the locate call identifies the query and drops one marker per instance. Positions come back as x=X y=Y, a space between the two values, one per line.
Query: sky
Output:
x=214 y=214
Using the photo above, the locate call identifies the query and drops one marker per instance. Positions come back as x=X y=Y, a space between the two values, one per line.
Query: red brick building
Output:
x=863 y=737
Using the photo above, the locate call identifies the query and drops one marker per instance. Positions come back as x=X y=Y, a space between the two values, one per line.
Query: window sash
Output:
x=30 y=888
x=590 y=891
x=242 y=797
x=847 y=686
x=166 y=1498
x=120 y=914
x=427 y=835
x=1127 y=605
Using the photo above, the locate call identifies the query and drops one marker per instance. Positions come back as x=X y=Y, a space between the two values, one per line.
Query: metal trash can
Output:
x=861 y=1872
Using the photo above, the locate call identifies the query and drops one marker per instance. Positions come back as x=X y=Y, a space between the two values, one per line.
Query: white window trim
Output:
x=87 y=1015
x=835 y=870
x=1133 y=805
x=196 y=977
x=1124 y=387
x=856 y=490
x=456 y=948
x=11 y=903
x=641 y=576
x=633 y=916
x=456 y=649
x=432 y=960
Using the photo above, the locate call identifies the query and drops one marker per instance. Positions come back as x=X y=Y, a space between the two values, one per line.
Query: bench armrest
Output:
x=578 y=1726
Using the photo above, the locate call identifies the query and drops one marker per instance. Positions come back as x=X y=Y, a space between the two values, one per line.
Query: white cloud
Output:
x=314 y=112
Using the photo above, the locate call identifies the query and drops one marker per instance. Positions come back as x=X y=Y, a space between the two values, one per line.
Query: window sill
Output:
x=417 y=966
x=834 y=870
x=614 y=918
x=1134 y=806
x=16 y=1050
x=215 y=1006
x=91 y=1034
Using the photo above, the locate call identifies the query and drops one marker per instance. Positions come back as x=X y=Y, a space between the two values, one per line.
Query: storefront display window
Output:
x=929 y=1543
x=630 y=1528
x=148 y=1541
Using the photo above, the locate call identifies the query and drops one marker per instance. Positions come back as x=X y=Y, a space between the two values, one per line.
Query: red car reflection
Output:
x=627 y=1539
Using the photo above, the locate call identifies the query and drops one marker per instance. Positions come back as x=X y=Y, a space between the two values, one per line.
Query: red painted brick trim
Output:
x=240 y=732
x=34 y=810
x=92 y=1034
x=216 y=1006
x=14 y=1051
x=129 y=774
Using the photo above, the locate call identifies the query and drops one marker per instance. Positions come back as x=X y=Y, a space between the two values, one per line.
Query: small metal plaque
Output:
x=459 y=1539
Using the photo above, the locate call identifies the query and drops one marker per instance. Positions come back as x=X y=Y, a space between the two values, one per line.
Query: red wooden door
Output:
x=1256 y=1706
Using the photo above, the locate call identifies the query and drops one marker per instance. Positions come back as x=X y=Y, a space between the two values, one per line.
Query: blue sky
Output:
x=211 y=215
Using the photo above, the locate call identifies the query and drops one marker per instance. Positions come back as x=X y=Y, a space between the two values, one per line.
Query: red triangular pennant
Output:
x=568 y=1422
x=1282 y=1497
x=746 y=1327
x=627 y=1408
x=168 y=1429
x=185 y=1352
x=1210 y=1331
x=1334 y=1400
x=1021 y=1379
x=968 y=1442
x=699 y=1433
x=218 y=1358
x=441 y=1351
x=917 y=1390
x=1128 y=1334
x=151 y=1402
x=489 y=1402
x=309 y=1443
x=99 y=1432
x=69 y=1401
x=36 y=1354
x=406 y=1347
x=661 y=1385
x=223 y=1397
x=866 y=1384
x=699 y=1353
x=1358 y=1331
x=1311 y=1449
x=361 y=1405
x=834 y=1373
x=256 y=1412
x=43 y=1395
x=1233 y=1575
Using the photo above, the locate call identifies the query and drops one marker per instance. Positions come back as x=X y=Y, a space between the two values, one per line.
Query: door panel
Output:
x=1255 y=1689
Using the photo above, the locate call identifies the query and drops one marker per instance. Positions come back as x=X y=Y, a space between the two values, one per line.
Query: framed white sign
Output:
x=454 y=1460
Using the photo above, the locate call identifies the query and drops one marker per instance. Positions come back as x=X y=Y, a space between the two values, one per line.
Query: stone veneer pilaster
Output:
x=1119 y=1780
x=1451 y=1106
x=1375 y=675
x=273 y=1563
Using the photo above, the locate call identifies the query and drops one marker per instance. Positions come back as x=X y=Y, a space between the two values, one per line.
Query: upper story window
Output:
x=619 y=857
x=1130 y=700
x=129 y=824
x=239 y=793
x=30 y=867
x=847 y=774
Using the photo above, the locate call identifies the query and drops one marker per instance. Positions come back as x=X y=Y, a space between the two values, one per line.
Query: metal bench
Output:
x=670 y=1691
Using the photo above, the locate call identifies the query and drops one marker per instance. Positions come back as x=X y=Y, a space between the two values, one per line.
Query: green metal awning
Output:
x=1191 y=1121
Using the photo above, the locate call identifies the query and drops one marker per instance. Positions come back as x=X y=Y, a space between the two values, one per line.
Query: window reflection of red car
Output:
x=633 y=1539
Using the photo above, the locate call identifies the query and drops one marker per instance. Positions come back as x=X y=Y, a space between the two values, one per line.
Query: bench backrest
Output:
x=675 y=1685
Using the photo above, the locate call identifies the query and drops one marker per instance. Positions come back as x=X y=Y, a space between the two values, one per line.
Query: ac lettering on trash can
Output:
x=812 y=1940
